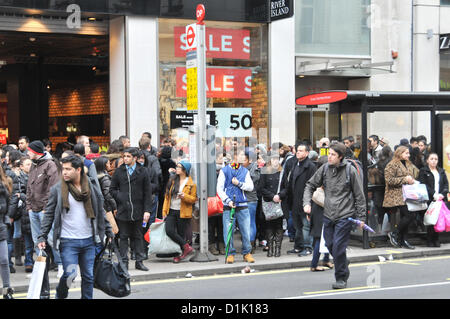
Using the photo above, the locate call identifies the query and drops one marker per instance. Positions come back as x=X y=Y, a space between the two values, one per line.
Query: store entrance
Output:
x=54 y=86
x=313 y=124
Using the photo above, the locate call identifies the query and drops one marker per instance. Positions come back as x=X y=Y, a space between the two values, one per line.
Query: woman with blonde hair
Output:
x=398 y=172
x=5 y=193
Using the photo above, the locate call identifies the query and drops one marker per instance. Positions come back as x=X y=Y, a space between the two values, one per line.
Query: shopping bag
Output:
x=215 y=205
x=415 y=191
x=415 y=205
x=440 y=224
x=432 y=214
x=160 y=243
x=147 y=234
x=272 y=210
x=446 y=212
x=111 y=277
x=323 y=248
x=34 y=289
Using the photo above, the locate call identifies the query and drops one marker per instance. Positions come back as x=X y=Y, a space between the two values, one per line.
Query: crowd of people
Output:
x=68 y=203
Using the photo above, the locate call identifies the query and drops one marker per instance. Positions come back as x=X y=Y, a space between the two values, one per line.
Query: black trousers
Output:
x=131 y=230
x=406 y=218
x=176 y=227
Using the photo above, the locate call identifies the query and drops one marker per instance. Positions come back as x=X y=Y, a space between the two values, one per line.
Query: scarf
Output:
x=80 y=196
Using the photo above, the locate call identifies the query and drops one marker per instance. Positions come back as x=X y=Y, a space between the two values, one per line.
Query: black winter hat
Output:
x=37 y=147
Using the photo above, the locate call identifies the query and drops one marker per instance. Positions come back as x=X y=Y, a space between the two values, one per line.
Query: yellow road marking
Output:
x=394 y=251
x=345 y=289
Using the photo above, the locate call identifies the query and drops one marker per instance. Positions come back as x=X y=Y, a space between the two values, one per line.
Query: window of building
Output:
x=444 y=72
x=237 y=73
x=445 y=2
x=332 y=27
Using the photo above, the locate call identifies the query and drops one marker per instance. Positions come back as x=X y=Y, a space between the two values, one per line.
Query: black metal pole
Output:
x=364 y=151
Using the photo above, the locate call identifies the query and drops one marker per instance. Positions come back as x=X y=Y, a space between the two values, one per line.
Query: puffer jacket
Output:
x=43 y=175
x=341 y=200
x=105 y=182
x=4 y=203
x=17 y=206
x=395 y=176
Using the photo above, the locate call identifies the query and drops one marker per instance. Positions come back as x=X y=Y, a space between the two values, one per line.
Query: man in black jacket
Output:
x=130 y=187
x=298 y=170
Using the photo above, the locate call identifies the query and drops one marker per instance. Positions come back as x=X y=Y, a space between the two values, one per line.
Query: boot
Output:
x=17 y=251
x=213 y=249
x=221 y=248
x=140 y=266
x=270 y=244
x=187 y=249
x=8 y=293
x=278 y=241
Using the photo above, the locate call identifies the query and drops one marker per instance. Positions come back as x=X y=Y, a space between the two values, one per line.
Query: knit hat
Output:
x=187 y=166
x=36 y=147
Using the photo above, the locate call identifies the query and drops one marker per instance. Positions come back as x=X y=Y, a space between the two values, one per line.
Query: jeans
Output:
x=29 y=248
x=35 y=222
x=316 y=254
x=76 y=252
x=252 y=210
x=290 y=227
x=306 y=229
x=243 y=218
x=154 y=209
x=337 y=235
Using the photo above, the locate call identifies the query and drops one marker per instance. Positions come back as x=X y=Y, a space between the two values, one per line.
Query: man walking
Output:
x=43 y=175
x=344 y=198
x=301 y=170
x=75 y=207
x=130 y=187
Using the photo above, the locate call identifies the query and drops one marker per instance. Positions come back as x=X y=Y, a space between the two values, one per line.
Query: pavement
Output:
x=164 y=268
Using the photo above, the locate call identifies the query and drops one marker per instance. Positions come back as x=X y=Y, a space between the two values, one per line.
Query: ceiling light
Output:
x=32 y=39
x=92 y=19
x=33 y=54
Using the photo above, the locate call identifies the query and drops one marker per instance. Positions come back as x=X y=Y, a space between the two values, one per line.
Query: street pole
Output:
x=203 y=255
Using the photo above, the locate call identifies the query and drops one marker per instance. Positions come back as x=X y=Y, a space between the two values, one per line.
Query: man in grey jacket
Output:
x=75 y=206
x=344 y=198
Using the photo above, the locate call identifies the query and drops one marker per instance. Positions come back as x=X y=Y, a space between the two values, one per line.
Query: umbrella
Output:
x=230 y=228
x=358 y=222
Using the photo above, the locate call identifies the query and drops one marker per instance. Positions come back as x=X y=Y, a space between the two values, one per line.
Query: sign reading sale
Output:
x=220 y=43
x=220 y=83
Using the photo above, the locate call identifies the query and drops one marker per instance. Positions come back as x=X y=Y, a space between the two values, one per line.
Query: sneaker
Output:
x=176 y=260
x=230 y=259
x=305 y=252
x=187 y=249
x=293 y=251
x=249 y=258
x=340 y=284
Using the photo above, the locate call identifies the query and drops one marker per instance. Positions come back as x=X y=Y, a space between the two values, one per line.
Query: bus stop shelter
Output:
x=365 y=102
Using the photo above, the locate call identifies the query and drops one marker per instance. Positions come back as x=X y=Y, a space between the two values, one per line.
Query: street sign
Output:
x=200 y=13
x=191 y=67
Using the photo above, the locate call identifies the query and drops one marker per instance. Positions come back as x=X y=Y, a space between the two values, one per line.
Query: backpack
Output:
x=350 y=162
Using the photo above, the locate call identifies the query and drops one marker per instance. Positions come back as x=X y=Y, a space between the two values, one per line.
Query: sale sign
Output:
x=220 y=43
x=220 y=83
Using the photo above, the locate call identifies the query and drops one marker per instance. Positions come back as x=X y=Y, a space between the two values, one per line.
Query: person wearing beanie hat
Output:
x=42 y=176
x=37 y=148
x=181 y=195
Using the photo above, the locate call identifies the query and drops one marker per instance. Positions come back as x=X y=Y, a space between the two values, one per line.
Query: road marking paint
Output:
x=334 y=290
x=372 y=290
x=404 y=263
x=394 y=251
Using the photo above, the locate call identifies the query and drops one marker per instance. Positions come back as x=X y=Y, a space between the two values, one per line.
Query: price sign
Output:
x=191 y=68
x=233 y=122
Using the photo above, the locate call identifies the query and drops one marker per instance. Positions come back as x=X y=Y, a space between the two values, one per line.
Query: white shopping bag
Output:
x=431 y=216
x=323 y=249
x=34 y=289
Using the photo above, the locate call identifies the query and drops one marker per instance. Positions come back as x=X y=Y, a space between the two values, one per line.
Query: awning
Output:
x=341 y=68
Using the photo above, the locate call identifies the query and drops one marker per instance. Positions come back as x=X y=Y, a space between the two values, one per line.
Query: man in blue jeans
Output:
x=232 y=183
x=344 y=198
x=75 y=207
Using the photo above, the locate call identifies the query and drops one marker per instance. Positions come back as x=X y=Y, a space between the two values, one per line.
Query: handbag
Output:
x=111 y=277
x=415 y=205
x=160 y=243
x=215 y=206
x=432 y=214
x=319 y=197
x=37 y=276
x=415 y=191
x=271 y=209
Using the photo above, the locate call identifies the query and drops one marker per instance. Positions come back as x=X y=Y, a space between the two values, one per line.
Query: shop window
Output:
x=237 y=74
x=444 y=74
x=332 y=27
